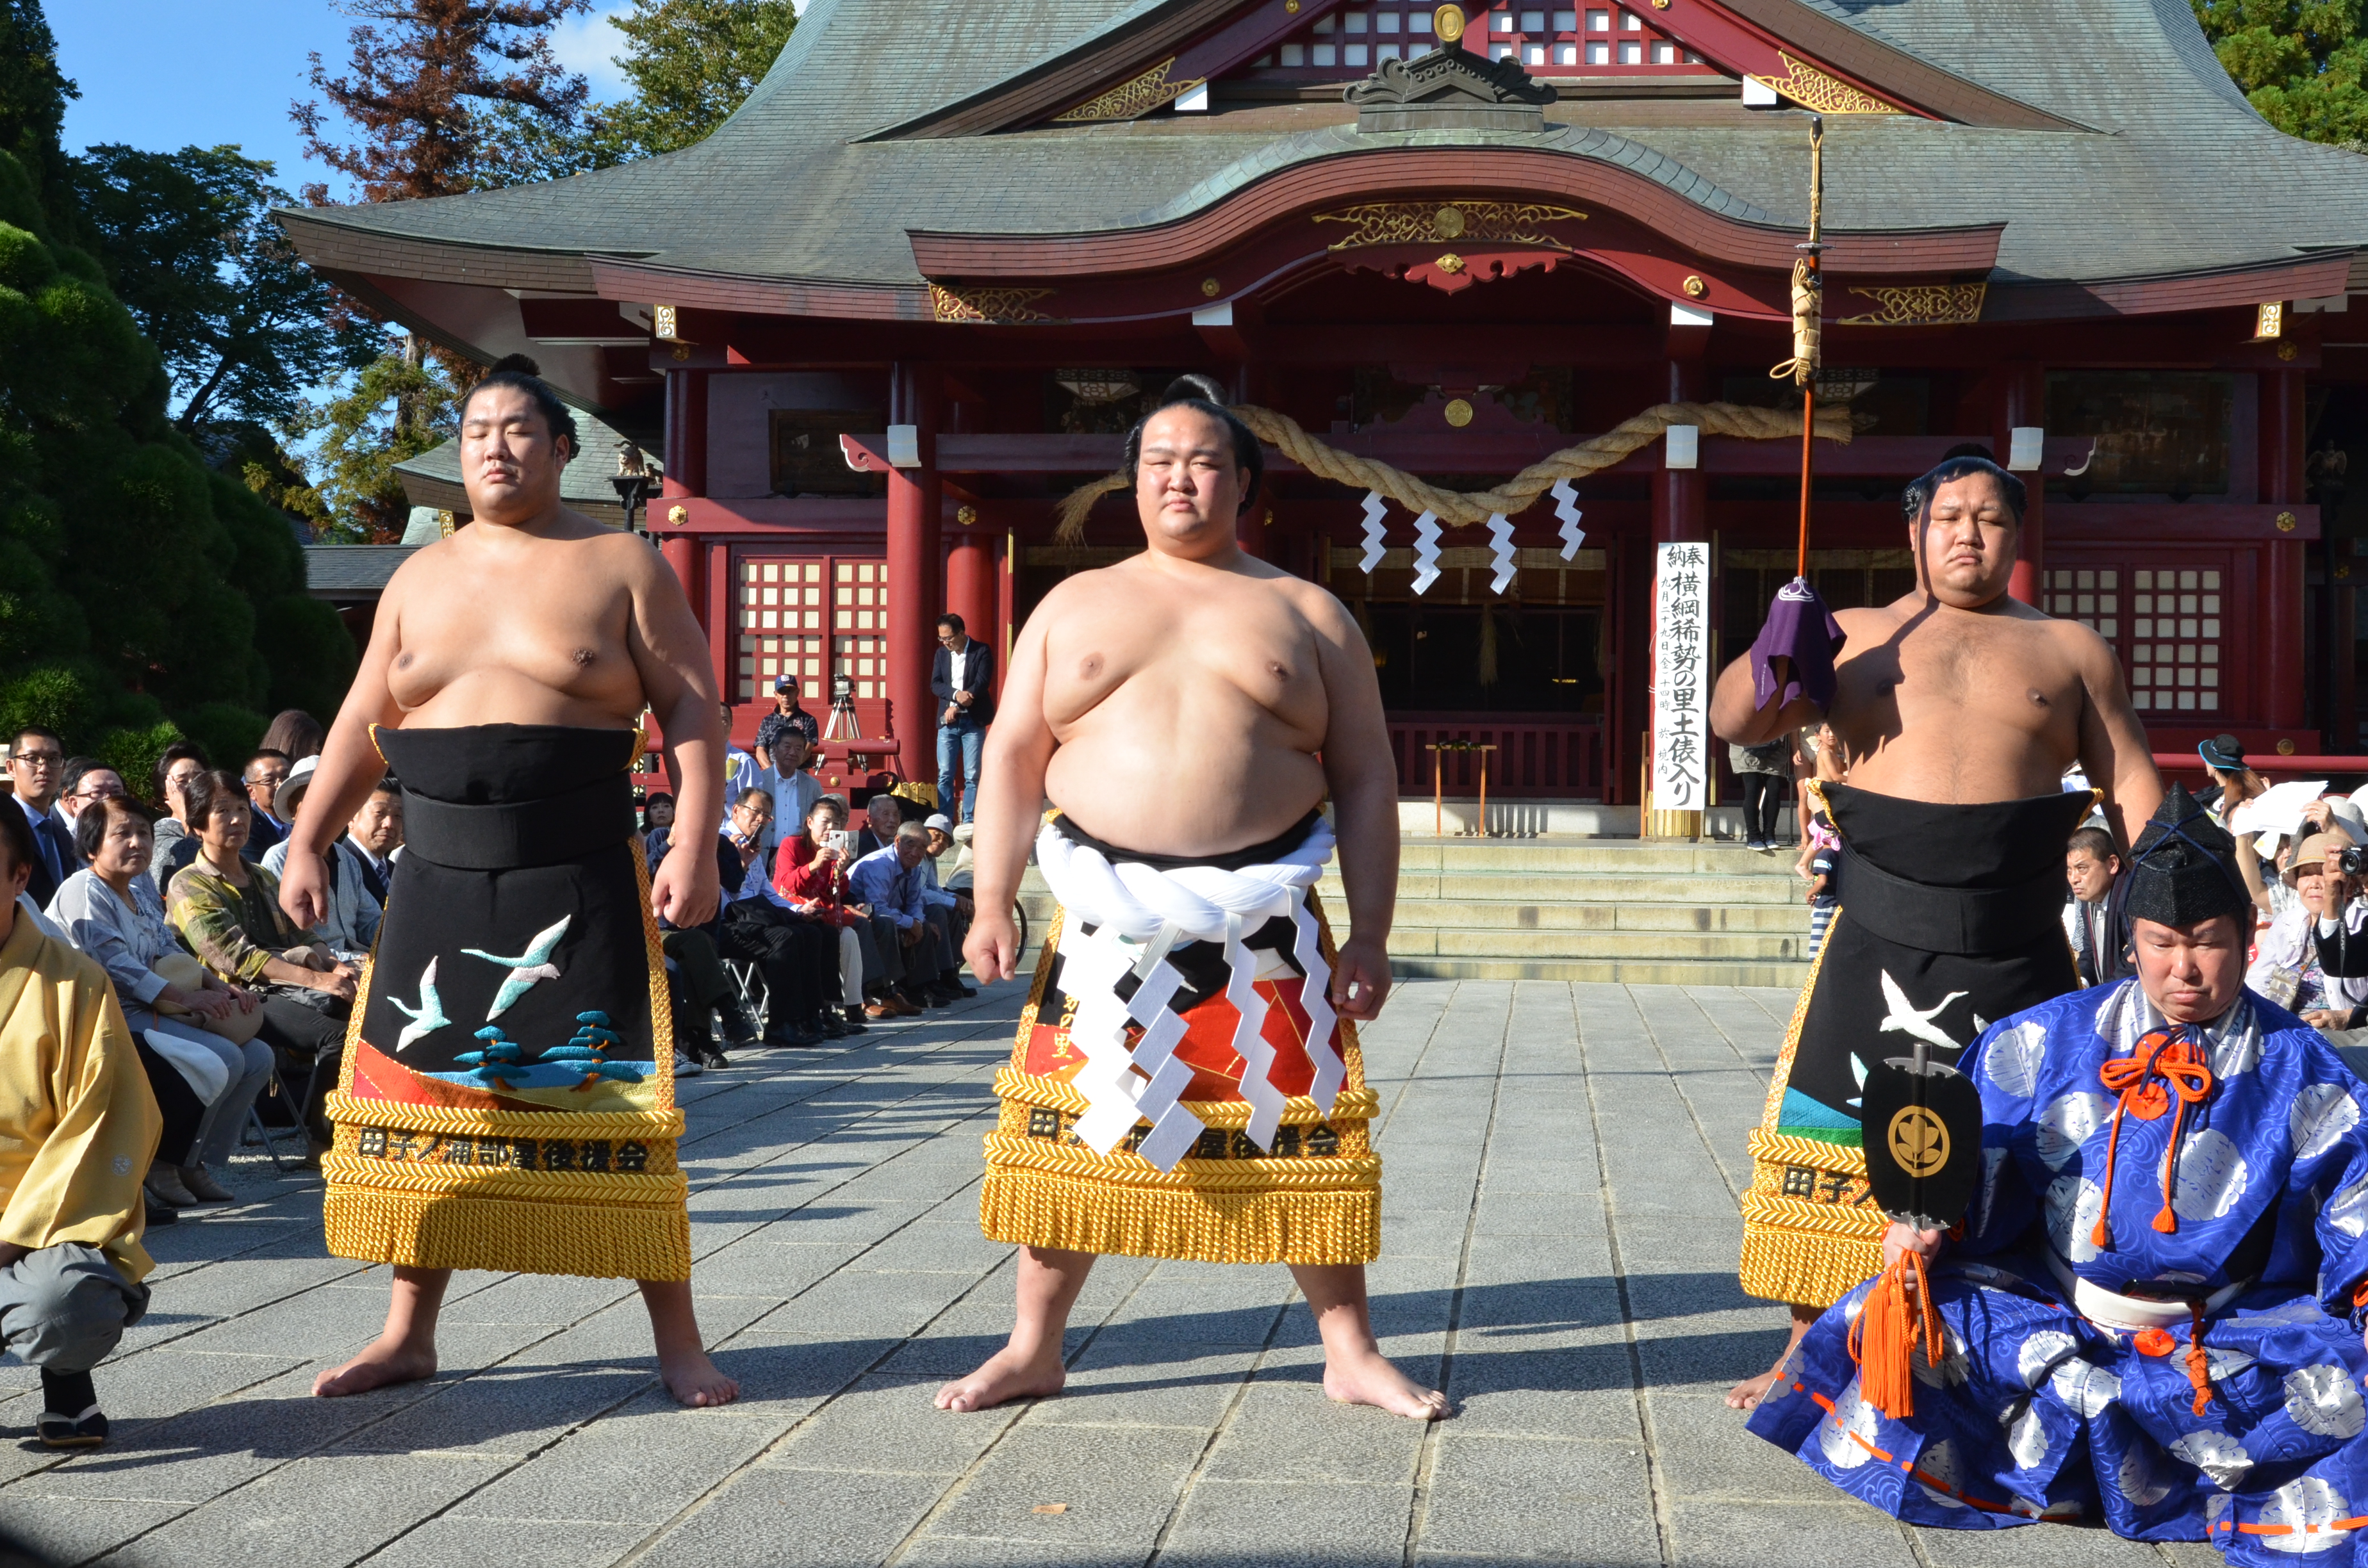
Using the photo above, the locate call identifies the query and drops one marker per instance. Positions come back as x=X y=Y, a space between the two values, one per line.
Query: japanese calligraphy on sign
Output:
x=1681 y=673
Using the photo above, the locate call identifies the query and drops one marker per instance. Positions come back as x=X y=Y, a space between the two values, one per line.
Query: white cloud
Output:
x=589 y=45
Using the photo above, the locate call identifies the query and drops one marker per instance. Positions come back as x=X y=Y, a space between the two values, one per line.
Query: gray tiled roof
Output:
x=2178 y=174
x=352 y=573
x=433 y=478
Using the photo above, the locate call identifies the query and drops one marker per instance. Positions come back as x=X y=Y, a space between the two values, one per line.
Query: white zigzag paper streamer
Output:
x=1502 y=532
x=1426 y=551
x=1266 y=1102
x=1567 y=509
x=1138 y=914
x=1116 y=1096
x=1375 y=510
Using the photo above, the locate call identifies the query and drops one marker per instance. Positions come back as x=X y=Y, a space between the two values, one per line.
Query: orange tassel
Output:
x=1883 y=1339
x=2199 y=1365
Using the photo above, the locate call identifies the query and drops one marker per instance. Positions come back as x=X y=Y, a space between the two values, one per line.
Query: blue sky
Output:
x=165 y=73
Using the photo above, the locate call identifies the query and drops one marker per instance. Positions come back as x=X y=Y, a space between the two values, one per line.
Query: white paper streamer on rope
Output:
x=1138 y=914
x=1567 y=509
x=1375 y=510
x=1426 y=551
x=1500 y=530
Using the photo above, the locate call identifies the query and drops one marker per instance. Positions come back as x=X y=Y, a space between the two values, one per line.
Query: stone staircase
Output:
x=1581 y=909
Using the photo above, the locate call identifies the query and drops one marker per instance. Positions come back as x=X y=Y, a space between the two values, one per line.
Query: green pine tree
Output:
x=2300 y=63
x=143 y=594
x=692 y=63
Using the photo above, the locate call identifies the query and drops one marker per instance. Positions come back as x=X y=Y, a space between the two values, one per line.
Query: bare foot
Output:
x=694 y=1381
x=1747 y=1394
x=1370 y=1378
x=1005 y=1375
x=383 y=1363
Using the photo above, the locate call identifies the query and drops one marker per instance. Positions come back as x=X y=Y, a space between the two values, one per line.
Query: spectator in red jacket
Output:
x=810 y=870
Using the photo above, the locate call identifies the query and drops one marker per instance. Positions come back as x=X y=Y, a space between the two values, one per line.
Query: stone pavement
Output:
x=1559 y=1239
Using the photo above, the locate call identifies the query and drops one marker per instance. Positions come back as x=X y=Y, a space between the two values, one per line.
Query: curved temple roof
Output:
x=2104 y=137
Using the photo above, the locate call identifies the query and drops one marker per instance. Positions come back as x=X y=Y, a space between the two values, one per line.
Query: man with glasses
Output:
x=83 y=782
x=963 y=679
x=266 y=771
x=36 y=771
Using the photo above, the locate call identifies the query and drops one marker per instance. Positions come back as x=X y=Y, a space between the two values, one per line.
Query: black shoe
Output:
x=828 y=1023
x=70 y=1417
x=739 y=1030
x=708 y=1056
x=159 y=1215
x=967 y=990
x=852 y=1020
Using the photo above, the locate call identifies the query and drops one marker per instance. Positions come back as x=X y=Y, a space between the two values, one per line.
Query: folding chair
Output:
x=755 y=994
x=260 y=1134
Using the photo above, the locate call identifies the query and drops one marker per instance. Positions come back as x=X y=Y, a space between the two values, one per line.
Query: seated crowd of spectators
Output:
x=2299 y=844
x=233 y=1013
x=144 y=1010
x=842 y=927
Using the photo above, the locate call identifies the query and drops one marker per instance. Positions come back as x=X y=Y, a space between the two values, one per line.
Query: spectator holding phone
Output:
x=811 y=872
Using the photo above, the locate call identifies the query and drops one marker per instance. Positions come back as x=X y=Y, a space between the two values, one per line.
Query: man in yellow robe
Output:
x=77 y=1128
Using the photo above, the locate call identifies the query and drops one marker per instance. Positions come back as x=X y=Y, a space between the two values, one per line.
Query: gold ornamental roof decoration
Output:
x=993 y=306
x=1814 y=89
x=1423 y=222
x=1919 y=304
x=1131 y=100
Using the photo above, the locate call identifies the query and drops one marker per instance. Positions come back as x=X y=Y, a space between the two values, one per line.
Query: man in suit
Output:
x=36 y=772
x=266 y=772
x=963 y=679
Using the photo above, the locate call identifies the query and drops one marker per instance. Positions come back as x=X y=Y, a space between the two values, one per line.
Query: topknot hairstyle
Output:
x=1202 y=394
x=1959 y=465
x=521 y=371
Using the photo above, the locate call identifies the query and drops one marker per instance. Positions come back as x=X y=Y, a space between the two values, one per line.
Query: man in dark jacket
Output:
x=963 y=679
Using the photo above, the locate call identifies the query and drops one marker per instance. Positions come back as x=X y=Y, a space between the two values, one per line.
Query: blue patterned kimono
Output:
x=2035 y=1410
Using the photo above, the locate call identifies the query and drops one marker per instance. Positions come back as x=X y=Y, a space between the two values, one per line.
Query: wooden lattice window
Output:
x=1548 y=40
x=1587 y=39
x=2176 y=639
x=780 y=624
x=858 y=625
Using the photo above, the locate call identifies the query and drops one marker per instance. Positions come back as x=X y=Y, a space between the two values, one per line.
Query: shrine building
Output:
x=909 y=297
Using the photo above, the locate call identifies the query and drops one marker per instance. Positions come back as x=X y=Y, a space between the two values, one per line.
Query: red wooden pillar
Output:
x=719 y=609
x=914 y=532
x=2282 y=682
x=1007 y=571
x=2022 y=399
x=1677 y=493
x=970 y=584
x=685 y=476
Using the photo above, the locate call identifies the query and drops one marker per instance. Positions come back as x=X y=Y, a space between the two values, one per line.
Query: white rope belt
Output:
x=2130 y=1313
x=1139 y=915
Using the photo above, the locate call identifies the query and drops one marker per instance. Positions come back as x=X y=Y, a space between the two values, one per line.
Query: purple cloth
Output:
x=1801 y=628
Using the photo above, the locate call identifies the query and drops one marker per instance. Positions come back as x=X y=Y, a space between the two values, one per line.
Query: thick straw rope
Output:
x=1459 y=508
x=1808 y=332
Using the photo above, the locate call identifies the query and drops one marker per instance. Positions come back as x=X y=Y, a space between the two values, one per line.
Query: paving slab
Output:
x=1559 y=1239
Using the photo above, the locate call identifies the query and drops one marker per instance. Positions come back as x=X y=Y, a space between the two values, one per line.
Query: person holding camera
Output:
x=2289 y=968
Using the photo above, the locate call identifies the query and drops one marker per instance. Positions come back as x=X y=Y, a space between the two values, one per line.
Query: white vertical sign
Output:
x=1681 y=740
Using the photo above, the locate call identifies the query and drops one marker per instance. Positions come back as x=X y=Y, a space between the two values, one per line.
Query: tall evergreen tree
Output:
x=189 y=247
x=141 y=593
x=2301 y=63
x=423 y=83
x=692 y=63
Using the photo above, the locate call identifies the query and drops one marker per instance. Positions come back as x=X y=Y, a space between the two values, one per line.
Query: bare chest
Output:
x=1964 y=679
x=1248 y=643
x=536 y=620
